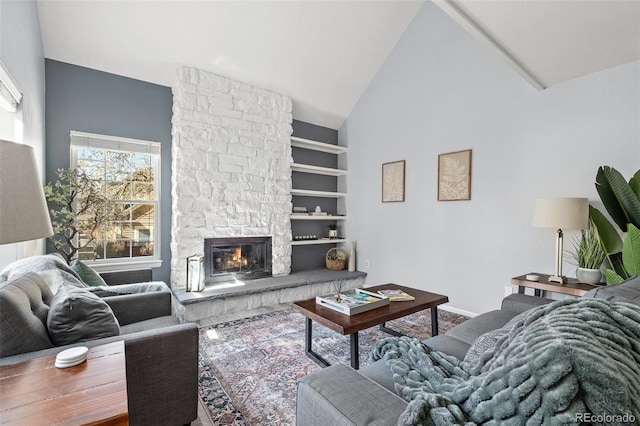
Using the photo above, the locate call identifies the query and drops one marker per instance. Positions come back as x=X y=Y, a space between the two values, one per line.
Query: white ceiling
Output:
x=325 y=53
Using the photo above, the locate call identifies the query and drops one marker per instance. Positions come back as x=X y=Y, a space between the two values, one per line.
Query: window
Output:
x=128 y=174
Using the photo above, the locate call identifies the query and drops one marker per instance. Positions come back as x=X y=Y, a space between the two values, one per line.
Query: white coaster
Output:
x=532 y=277
x=71 y=357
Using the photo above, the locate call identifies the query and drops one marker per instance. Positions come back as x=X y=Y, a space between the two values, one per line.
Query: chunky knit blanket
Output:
x=559 y=364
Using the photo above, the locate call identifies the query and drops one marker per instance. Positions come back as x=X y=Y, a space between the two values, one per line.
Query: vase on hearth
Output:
x=352 y=257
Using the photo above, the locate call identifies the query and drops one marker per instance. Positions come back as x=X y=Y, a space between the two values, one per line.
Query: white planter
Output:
x=591 y=276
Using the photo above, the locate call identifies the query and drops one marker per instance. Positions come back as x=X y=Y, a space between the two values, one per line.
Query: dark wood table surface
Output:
x=572 y=287
x=352 y=324
x=35 y=392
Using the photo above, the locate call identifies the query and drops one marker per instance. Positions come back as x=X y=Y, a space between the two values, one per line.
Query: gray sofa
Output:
x=161 y=354
x=339 y=395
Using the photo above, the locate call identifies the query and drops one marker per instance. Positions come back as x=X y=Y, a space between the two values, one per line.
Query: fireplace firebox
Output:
x=226 y=259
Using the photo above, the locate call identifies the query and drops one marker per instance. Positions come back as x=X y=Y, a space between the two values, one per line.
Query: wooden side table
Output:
x=572 y=287
x=35 y=392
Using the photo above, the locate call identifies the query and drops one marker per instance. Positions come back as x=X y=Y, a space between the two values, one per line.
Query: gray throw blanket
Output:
x=561 y=360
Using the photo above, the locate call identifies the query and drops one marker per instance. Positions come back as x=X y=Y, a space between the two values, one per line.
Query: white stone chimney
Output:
x=231 y=170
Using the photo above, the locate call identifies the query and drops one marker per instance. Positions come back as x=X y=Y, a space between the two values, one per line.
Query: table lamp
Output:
x=561 y=213
x=23 y=208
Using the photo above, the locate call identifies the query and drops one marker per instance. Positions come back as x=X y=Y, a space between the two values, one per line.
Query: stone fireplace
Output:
x=231 y=167
x=242 y=258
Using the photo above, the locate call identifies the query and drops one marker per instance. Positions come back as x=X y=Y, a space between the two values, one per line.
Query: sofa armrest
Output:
x=340 y=396
x=127 y=277
x=130 y=308
x=519 y=303
x=162 y=376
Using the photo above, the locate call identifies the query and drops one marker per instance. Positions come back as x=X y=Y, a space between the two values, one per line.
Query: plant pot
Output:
x=591 y=276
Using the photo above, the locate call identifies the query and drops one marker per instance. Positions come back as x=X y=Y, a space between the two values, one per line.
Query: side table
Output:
x=572 y=287
x=35 y=392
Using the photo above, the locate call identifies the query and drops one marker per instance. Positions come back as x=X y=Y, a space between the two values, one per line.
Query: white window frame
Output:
x=116 y=143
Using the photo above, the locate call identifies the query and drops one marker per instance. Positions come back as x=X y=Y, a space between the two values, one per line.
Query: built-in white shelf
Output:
x=317 y=146
x=323 y=194
x=320 y=241
x=317 y=170
x=301 y=217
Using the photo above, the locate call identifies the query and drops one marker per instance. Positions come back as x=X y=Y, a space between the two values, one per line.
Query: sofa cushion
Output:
x=87 y=274
x=24 y=304
x=627 y=291
x=469 y=331
x=77 y=315
x=51 y=267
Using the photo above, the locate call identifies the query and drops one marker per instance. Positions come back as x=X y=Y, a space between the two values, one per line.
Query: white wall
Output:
x=22 y=54
x=231 y=167
x=441 y=91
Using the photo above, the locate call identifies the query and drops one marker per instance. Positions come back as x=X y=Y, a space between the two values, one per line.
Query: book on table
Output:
x=353 y=301
x=396 y=295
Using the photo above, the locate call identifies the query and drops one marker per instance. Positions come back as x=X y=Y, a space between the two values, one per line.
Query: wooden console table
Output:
x=572 y=287
x=35 y=392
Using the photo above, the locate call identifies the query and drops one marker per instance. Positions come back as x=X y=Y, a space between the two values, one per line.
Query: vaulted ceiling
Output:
x=324 y=54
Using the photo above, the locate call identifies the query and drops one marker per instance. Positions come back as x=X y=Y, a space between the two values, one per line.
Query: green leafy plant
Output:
x=77 y=208
x=630 y=257
x=621 y=199
x=332 y=226
x=587 y=251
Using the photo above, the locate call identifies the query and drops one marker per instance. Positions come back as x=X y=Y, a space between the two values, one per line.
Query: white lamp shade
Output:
x=23 y=208
x=561 y=213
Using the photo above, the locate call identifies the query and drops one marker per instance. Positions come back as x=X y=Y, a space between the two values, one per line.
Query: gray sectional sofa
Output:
x=339 y=395
x=161 y=354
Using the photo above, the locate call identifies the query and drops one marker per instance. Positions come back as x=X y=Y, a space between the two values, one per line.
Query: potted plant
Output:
x=333 y=230
x=78 y=210
x=621 y=199
x=587 y=255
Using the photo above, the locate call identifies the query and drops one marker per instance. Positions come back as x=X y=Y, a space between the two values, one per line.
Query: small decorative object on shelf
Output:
x=336 y=259
x=353 y=301
x=396 y=295
x=195 y=273
x=333 y=230
x=304 y=237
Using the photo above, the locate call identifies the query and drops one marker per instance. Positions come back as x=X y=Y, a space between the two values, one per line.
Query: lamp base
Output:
x=557 y=279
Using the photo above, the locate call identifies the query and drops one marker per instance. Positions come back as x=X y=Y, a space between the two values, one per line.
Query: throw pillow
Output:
x=484 y=343
x=77 y=315
x=87 y=275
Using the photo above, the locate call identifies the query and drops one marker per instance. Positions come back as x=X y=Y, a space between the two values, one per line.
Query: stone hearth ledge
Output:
x=222 y=298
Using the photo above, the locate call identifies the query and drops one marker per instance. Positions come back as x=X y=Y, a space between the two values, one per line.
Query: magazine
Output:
x=396 y=295
x=352 y=301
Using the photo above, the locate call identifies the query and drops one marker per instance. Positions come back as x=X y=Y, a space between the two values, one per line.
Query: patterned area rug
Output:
x=249 y=368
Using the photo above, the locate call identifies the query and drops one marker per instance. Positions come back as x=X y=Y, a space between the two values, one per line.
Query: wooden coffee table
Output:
x=35 y=392
x=352 y=324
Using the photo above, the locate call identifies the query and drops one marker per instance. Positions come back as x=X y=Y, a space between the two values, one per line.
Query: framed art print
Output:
x=393 y=181
x=454 y=176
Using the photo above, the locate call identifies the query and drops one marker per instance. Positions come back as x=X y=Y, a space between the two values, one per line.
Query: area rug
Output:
x=249 y=368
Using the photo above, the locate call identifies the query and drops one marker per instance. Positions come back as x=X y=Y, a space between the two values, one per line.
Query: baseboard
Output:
x=454 y=310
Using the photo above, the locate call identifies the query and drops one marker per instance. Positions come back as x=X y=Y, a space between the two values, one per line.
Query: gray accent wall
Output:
x=313 y=256
x=88 y=100
x=439 y=91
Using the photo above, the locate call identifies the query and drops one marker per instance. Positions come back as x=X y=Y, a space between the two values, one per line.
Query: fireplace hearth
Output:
x=242 y=258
